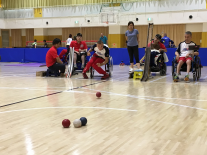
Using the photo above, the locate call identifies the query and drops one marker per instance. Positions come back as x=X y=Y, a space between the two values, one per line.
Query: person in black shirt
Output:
x=45 y=43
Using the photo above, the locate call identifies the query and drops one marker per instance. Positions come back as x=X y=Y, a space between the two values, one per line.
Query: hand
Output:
x=187 y=55
x=88 y=53
x=99 y=64
x=80 y=50
x=177 y=57
x=77 y=52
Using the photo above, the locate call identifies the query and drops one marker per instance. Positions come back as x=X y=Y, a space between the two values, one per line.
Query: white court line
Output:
x=69 y=107
x=128 y=95
x=159 y=78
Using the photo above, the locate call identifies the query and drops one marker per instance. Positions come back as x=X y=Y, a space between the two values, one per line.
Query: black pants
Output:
x=56 y=67
x=68 y=48
x=133 y=53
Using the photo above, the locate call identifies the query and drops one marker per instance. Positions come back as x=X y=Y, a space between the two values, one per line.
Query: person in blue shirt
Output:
x=104 y=39
x=166 y=41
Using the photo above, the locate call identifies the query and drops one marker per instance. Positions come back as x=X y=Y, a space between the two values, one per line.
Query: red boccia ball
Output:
x=98 y=94
x=66 y=123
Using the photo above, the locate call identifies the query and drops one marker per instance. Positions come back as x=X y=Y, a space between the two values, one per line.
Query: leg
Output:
x=179 y=66
x=130 y=51
x=136 y=55
x=98 y=69
x=188 y=62
x=56 y=67
x=75 y=58
x=89 y=64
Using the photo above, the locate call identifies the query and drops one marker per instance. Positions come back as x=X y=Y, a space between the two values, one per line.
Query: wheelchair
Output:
x=108 y=68
x=71 y=69
x=195 y=68
x=160 y=65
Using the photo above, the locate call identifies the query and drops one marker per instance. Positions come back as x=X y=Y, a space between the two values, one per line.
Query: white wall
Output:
x=204 y=27
x=54 y=31
x=2 y=24
x=194 y=27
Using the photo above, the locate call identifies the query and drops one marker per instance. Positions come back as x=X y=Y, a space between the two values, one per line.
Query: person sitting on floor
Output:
x=53 y=61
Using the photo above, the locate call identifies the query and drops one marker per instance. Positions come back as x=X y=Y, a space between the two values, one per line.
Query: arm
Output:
x=103 y=63
x=66 y=43
x=138 y=38
x=35 y=45
x=58 y=60
x=162 y=48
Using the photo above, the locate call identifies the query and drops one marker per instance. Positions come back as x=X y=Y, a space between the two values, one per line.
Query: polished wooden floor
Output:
x=157 y=117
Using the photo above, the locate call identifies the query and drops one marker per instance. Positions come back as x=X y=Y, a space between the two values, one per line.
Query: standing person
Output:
x=80 y=49
x=104 y=39
x=45 y=43
x=166 y=41
x=68 y=42
x=132 y=40
x=34 y=44
x=53 y=61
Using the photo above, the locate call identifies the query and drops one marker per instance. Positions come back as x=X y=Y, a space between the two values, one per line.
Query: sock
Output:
x=177 y=74
x=187 y=74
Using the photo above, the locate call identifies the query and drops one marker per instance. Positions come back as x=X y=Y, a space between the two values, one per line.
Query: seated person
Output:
x=100 y=58
x=166 y=41
x=157 y=45
x=184 y=55
x=45 y=43
x=53 y=61
x=80 y=49
x=63 y=55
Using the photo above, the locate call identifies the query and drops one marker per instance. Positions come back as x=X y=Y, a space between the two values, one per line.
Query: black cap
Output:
x=158 y=36
x=79 y=34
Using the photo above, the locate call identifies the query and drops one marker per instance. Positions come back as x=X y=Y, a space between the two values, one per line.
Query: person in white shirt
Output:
x=184 y=55
x=68 y=41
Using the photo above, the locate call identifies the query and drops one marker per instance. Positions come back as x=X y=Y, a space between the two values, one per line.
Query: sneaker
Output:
x=75 y=66
x=106 y=76
x=131 y=70
x=186 y=78
x=176 y=78
x=85 y=76
x=82 y=66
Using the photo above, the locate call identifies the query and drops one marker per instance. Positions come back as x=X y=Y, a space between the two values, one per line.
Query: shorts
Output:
x=184 y=59
x=79 y=56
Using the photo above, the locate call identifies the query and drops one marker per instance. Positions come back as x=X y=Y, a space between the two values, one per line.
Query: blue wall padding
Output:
x=118 y=54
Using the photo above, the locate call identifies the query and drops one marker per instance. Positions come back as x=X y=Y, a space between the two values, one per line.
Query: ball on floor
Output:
x=83 y=121
x=98 y=94
x=66 y=123
x=77 y=123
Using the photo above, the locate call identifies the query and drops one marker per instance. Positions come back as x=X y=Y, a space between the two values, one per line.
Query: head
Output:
x=74 y=38
x=44 y=41
x=35 y=40
x=100 y=45
x=70 y=36
x=157 y=38
x=56 y=42
x=102 y=35
x=79 y=37
x=188 y=36
x=165 y=34
x=131 y=25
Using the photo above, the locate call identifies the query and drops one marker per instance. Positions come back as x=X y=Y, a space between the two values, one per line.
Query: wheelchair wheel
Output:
x=70 y=63
x=110 y=66
x=163 y=71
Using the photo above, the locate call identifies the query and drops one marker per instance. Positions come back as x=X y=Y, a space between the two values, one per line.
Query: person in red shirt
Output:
x=157 y=40
x=80 y=49
x=63 y=55
x=53 y=61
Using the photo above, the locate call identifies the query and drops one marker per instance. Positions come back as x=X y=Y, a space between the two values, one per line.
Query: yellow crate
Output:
x=138 y=74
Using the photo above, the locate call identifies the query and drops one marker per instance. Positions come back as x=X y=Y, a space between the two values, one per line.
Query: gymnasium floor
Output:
x=157 y=117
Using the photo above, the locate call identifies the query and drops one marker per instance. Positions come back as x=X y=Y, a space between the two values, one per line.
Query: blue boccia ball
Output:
x=83 y=121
